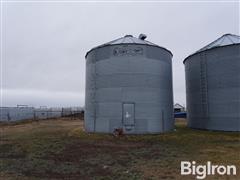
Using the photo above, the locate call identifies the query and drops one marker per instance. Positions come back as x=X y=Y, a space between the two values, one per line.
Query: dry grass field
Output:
x=60 y=149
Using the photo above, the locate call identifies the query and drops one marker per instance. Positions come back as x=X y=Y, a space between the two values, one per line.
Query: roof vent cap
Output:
x=128 y=35
x=142 y=36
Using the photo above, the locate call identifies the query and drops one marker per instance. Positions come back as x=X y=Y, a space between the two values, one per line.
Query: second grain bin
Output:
x=129 y=87
x=213 y=85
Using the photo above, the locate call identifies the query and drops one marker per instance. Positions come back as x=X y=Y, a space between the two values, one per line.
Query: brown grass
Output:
x=60 y=149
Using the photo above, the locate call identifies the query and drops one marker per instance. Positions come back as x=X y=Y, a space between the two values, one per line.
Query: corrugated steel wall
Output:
x=129 y=74
x=213 y=89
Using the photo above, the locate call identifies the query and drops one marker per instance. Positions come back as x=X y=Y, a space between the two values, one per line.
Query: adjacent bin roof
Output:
x=225 y=40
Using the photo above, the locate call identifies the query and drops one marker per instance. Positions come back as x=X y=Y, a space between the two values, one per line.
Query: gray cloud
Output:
x=44 y=44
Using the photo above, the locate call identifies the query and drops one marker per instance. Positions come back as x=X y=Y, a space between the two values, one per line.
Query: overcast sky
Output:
x=44 y=44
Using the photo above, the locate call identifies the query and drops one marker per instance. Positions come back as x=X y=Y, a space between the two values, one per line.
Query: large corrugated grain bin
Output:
x=129 y=87
x=213 y=85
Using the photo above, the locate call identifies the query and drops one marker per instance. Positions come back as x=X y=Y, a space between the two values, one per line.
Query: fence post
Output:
x=8 y=117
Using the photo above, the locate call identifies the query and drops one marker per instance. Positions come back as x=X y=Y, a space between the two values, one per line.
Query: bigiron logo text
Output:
x=201 y=171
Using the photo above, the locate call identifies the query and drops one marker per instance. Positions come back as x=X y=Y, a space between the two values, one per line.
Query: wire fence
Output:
x=19 y=113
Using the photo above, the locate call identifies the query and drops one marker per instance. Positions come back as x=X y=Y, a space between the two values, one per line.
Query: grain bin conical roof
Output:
x=225 y=40
x=129 y=39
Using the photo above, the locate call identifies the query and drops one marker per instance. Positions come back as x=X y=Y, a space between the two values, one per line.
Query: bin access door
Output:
x=128 y=114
